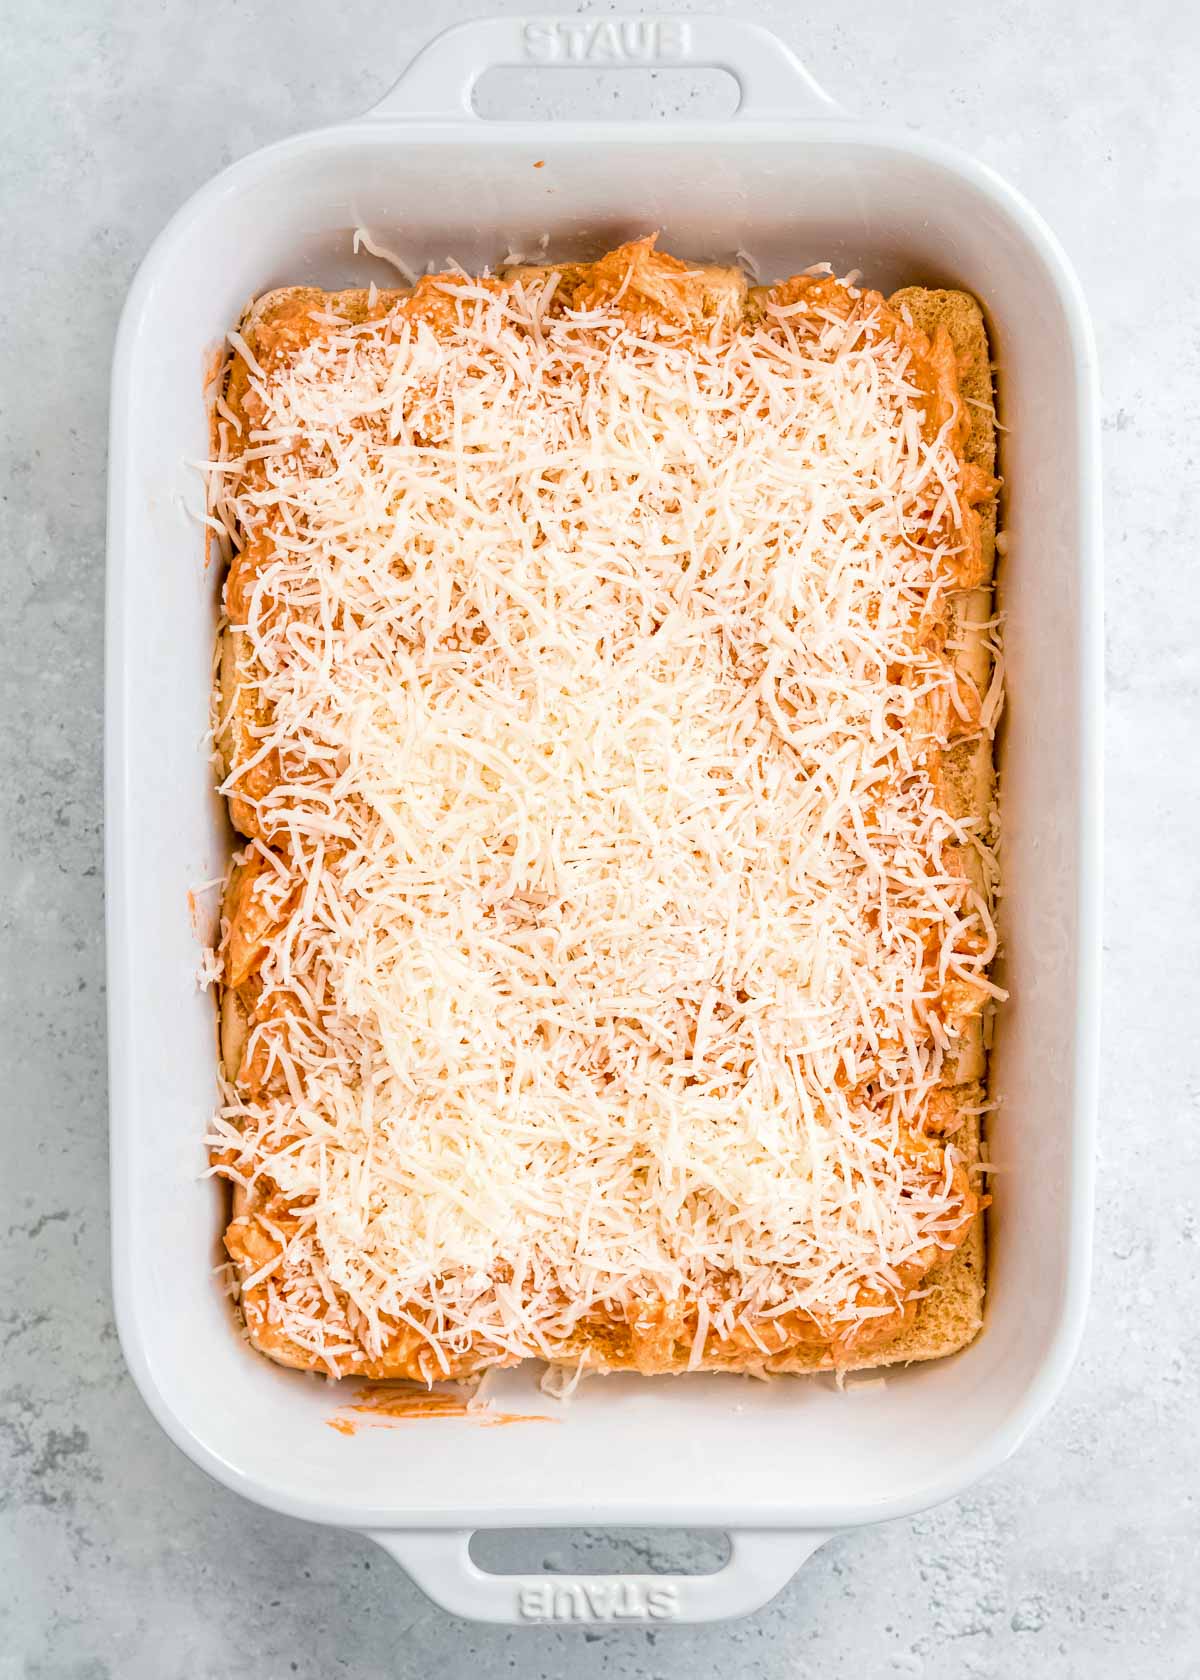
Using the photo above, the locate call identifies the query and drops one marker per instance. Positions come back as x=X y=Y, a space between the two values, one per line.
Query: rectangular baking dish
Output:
x=789 y=180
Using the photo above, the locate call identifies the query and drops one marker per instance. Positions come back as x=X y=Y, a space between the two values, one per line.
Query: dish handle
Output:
x=772 y=82
x=761 y=1563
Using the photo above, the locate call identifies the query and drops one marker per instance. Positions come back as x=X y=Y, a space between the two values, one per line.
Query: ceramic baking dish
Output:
x=789 y=181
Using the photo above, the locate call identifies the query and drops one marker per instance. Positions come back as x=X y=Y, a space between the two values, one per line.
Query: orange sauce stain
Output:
x=402 y=1401
x=382 y=1405
x=213 y=363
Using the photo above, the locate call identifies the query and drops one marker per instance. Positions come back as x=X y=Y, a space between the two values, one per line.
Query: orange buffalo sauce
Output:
x=380 y=1405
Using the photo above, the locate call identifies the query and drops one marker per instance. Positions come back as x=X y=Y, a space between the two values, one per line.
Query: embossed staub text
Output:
x=597 y=1600
x=608 y=41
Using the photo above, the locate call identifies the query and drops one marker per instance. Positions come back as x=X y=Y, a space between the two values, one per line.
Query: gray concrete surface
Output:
x=118 y=1558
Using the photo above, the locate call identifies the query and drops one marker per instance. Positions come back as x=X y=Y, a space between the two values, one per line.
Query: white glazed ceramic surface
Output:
x=790 y=181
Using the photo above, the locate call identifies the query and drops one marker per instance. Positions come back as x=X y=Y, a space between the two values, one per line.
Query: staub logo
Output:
x=597 y=1600
x=608 y=41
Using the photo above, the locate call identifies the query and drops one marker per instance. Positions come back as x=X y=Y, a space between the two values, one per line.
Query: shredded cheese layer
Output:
x=607 y=936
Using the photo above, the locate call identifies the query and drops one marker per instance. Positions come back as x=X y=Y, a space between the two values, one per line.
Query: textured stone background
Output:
x=119 y=1559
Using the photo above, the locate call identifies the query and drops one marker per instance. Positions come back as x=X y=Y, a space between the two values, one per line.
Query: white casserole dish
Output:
x=782 y=1465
